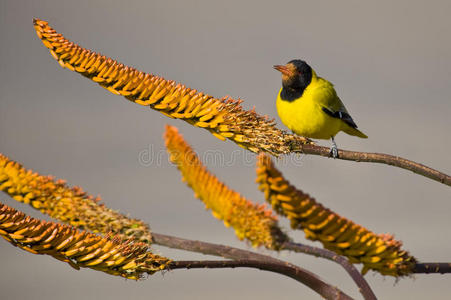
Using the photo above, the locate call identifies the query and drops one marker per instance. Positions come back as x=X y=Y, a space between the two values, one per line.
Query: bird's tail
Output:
x=354 y=131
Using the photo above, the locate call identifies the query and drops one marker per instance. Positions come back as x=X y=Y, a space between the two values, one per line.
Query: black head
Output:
x=296 y=76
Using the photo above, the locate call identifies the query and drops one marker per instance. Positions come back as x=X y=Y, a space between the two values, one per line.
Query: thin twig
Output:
x=298 y=274
x=208 y=248
x=428 y=268
x=363 y=285
x=376 y=158
x=303 y=276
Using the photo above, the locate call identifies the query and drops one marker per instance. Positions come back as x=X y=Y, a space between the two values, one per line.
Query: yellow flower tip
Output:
x=37 y=21
x=378 y=252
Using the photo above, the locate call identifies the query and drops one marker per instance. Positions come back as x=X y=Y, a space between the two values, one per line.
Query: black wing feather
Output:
x=341 y=115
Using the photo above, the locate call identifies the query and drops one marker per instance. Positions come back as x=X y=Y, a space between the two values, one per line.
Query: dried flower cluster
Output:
x=379 y=252
x=79 y=248
x=252 y=222
x=224 y=118
x=69 y=205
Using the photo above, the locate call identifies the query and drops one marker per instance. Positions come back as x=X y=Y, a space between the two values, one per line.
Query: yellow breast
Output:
x=305 y=117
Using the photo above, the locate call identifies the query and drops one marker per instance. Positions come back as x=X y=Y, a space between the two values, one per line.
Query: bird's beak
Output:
x=284 y=70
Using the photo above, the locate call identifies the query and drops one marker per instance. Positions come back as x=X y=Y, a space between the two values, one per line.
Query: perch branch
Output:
x=307 y=278
x=427 y=268
x=379 y=158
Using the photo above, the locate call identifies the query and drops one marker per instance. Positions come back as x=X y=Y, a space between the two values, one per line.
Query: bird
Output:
x=310 y=107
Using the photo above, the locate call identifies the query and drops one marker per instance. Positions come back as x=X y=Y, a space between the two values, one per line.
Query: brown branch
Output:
x=427 y=268
x=363 y=285
x=243 y=255
x=380 y=158
x=298 y=274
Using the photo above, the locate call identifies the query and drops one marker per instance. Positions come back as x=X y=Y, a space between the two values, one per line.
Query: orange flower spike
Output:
x=246 y=128
x=378 y=252
x=69 y=205
x=79 y=248
x=252 y=222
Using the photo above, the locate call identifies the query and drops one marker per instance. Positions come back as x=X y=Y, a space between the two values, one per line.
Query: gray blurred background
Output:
x=390 y=62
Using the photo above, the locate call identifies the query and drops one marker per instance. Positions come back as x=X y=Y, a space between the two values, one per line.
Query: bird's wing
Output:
x=343 y=115
x=332 y=105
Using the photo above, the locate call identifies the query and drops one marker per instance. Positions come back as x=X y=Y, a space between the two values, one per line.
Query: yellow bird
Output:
x=309 y=106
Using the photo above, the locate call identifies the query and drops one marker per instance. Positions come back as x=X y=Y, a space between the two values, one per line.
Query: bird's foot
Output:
x=334 y=149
